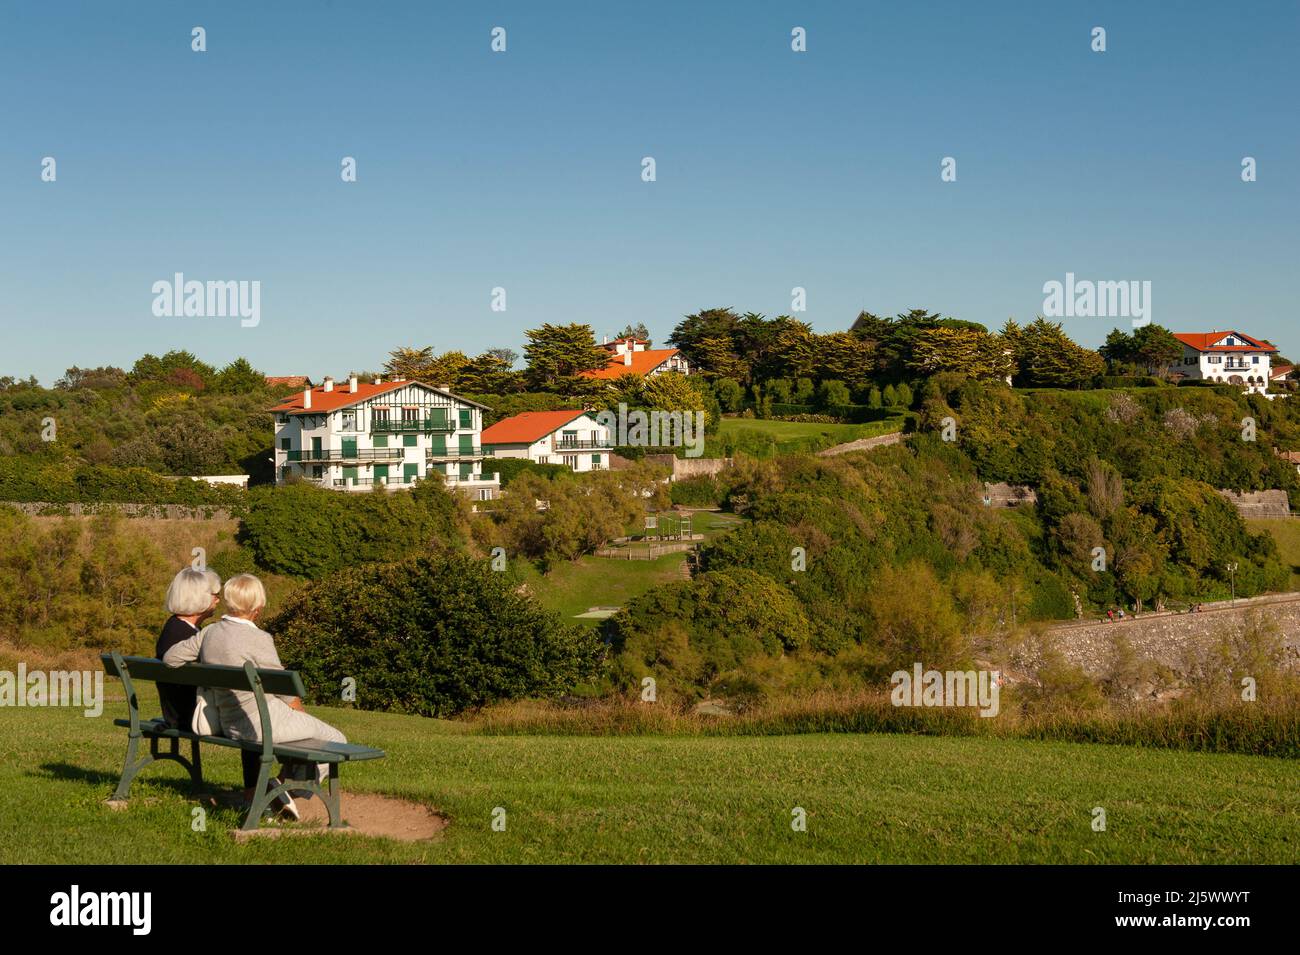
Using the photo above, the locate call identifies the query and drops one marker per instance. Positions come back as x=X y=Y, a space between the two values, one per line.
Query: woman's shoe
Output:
x=284 y=802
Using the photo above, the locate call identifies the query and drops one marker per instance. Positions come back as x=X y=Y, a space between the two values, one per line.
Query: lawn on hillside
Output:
x=573 y=587
x=1286 y=531
x=793 y=436
x=868 y=799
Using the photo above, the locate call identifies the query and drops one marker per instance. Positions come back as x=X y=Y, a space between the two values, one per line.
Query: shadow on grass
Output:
x=179 y=785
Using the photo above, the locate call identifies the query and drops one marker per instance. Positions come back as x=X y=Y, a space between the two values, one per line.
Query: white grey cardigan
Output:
x=231 y=641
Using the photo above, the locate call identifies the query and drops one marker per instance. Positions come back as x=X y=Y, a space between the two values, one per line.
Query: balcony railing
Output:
x=472 y=479
x=338 y=454
x=411 y=425
x=453 y=454
x=575 y=445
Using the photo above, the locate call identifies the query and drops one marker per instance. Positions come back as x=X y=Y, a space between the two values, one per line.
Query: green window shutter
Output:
x=466 y=469
x=284 y=444
x=350 y=449
x=381 y=440
x=350 y=474
x=315 y=446
x=410 y=472
x=595 y=459
x=439 y=442
x=467 y=417
x=466 y=443
x=438 y=418
x=381 y=471
x=409 y=440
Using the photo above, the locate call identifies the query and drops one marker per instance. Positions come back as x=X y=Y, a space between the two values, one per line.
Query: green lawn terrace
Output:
x=868 y=798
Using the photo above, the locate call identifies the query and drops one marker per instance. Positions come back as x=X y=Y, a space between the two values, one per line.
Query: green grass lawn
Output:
x=868 y=798
x=1286 y=531
x=572 y=587
x=793 y=436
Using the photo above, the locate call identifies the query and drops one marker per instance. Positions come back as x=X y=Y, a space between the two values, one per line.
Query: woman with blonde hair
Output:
x=234 y=640
x=191 y=598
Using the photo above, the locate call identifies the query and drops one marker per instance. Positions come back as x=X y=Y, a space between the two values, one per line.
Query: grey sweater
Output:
x=231 y=641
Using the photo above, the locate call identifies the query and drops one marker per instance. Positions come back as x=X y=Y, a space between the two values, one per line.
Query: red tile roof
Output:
x=643 y=362
x=340 y=397
x=293 y=381
x=1204 y=341
x=1280 y=371
x=527 y=427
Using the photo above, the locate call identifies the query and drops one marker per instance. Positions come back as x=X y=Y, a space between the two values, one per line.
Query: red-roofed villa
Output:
x=1229 y=357
x=391 y=433
x=573 y=438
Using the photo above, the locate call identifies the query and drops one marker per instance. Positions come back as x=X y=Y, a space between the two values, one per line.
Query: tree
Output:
x=730 y=395
x=239 y=378
x=558 y=353
x=635 y=331
x=431 y=635
x=1155 y=347
x=151 y=368
x=408 y=362
x=1048 y=358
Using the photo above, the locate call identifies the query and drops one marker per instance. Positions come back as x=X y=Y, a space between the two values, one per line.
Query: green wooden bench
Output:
x=259 y=682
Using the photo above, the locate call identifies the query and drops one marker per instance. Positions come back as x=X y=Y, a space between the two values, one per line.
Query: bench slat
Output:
x=152 y=670
x=309 y=750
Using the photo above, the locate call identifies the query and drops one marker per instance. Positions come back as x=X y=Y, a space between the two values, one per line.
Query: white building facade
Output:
x=355 y=436
x=572 y=438
x=1228 y=357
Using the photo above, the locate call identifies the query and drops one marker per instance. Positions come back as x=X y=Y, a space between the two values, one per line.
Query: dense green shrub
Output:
x=306 y=531
x=511 y=468
x=687 y=635
x=63 y=481
x=429 y=635
x=702 y=491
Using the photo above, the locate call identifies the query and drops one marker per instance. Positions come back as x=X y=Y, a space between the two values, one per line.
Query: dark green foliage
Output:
x=305 y=531
x=431 y=635
x=511 y=468
x=692 y=633
x=64 y=482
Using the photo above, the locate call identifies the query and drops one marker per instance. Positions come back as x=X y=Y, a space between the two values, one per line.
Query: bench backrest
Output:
x=248 y=677
x=217 y=676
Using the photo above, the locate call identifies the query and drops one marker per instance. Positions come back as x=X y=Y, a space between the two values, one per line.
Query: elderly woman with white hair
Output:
x=191 y=599
x=234 y=640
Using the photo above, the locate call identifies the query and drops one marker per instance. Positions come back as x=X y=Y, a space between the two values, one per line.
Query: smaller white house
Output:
x=1229 y=357
x=572 y=438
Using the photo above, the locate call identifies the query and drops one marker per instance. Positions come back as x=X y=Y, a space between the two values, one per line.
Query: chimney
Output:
x=352 y=384
x=306 y=398
x=379 y=379
x=328 y=384
x=627 y=357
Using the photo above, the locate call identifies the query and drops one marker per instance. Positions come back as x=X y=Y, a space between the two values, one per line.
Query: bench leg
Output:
x=261 y=798
x=331 y=798
x=131 y=767
x=196 y=767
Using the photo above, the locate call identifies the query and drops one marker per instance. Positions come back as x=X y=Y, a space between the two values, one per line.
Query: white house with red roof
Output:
x=1229 y=357
x=357 y=435
x=634 y=356
x=572 y=438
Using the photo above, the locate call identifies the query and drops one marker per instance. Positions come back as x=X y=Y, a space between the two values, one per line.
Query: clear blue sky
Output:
x=522 y=169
